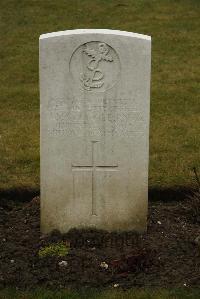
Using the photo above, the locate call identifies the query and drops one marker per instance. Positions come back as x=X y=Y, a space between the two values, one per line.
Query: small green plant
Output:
x=55 y=249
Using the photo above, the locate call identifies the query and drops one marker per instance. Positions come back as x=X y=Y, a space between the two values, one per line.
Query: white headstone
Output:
x=95 y=96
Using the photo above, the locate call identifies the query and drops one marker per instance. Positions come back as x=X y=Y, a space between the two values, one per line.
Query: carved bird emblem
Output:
x=97 y=55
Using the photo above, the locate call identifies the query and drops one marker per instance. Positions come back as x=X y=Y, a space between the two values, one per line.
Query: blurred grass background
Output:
x=175 y=104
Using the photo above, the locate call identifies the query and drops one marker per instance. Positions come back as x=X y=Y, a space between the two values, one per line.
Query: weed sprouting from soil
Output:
x=59 y=249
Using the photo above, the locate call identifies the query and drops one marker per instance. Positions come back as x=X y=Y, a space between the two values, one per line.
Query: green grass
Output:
x=175 y=118
x=59 y=249
x=109 y=294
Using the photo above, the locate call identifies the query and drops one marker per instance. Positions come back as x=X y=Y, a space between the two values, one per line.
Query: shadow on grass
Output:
x=175 y=193
x=18 y=194
x=155 y=193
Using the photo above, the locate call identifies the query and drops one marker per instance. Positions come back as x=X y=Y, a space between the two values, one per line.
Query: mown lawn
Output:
x=175 y=118
x=110 y=294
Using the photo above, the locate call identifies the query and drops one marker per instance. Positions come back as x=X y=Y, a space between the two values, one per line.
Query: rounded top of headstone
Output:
x=95 y=31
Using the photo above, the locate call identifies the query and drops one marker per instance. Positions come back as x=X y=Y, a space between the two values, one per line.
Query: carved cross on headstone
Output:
x=94 y=168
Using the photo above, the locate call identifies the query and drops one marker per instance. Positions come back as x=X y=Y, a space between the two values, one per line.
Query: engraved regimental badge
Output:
x=95 y=66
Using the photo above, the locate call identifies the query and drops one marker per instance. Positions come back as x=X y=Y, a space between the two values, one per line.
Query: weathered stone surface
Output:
x=95 y=96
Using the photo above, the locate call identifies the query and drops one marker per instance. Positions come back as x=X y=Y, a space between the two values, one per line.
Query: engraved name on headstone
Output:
x=95 y=98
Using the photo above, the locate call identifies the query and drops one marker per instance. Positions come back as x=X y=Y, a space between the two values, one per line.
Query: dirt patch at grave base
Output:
x=165 y=256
